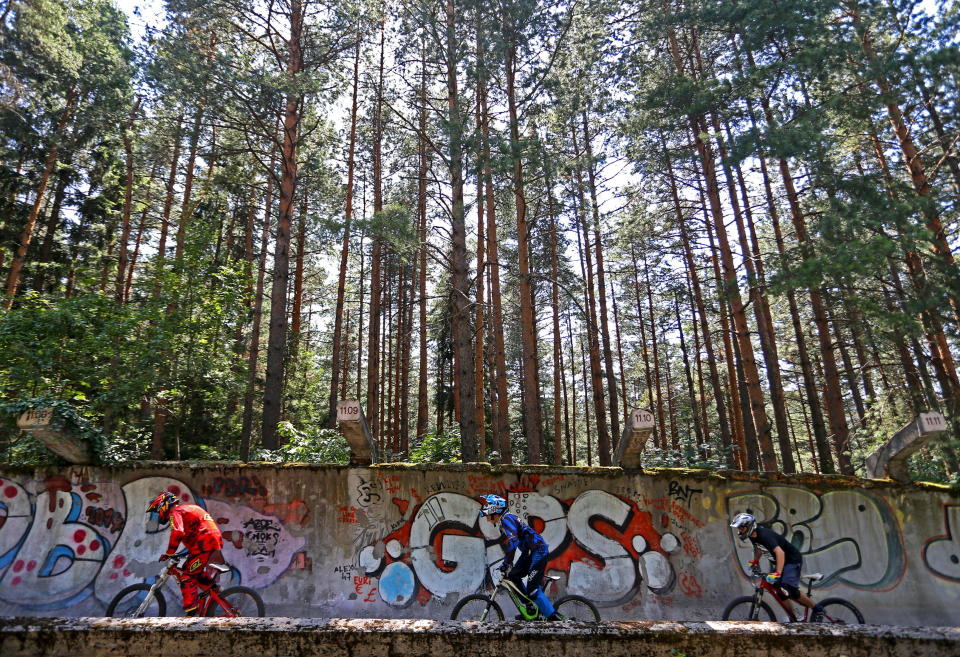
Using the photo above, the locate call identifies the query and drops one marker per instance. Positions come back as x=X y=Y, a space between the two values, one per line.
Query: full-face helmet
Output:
x=744 y=523
x=492 y=504
x=162 y=504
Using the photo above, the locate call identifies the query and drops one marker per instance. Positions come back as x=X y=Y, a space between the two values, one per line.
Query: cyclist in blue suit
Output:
x=533 y=552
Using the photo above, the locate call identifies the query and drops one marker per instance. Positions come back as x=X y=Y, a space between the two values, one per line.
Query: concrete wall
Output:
x=404 y=542
x=179 y=637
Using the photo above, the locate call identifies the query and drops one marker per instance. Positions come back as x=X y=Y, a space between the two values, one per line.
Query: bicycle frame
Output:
x=781 y=597
x=172 y=567
x=521 y=600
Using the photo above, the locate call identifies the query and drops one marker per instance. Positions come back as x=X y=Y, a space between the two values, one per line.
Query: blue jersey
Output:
x=519 y=535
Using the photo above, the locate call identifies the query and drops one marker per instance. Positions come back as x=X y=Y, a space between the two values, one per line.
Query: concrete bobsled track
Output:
x=404 y=542
x=176 y=637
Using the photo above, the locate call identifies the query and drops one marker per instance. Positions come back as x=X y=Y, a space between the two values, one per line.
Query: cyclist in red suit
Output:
x=199 y=533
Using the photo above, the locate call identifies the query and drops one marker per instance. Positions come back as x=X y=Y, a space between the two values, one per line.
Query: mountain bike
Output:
x=753 y=608
x=482 y=607
x=140 y=600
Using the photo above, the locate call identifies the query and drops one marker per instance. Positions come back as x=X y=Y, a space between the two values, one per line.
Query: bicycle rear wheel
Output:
x=575 y=607
x=746 y=609
x=477 y=607
x=840 y=612
x=241 y=601
x=126 y=603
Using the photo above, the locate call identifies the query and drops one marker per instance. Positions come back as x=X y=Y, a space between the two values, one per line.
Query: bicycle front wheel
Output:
x=477 y=607
x=238 y=601
x=126 y=603
x=747 y=609
x=578 y=608
x=840 y=612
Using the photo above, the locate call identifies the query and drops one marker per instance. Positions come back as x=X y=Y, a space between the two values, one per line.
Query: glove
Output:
x=164 y=557
x=754 y=567
x=505 y=568
x=772 y=578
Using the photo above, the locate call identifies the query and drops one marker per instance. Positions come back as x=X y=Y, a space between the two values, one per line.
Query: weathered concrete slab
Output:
x=401 y=541
x=276 y=637
x=41 y=424
x=636 y=432
x=890 y=459
x=353 y=426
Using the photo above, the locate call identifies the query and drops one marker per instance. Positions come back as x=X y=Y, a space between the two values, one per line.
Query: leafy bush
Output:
x=438 y=448
x=310 y=446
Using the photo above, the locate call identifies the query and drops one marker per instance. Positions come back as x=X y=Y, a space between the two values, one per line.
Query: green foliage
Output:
x=688 y=456
x=438 y=448
x=312 y=445
x=66 y=418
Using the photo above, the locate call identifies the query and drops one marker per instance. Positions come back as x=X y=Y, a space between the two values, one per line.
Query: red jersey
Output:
x=195 y=528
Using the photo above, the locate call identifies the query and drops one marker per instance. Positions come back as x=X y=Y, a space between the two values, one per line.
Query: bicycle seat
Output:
x=552 y=578
x=813 y=577
x=222 y=567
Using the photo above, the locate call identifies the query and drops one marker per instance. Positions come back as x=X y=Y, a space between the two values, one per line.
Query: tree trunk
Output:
x=376 y=257
x=914 y=164
x=344 y=250
x=276 y=341
x=596 y=375
x=530 y=387
x=691 y=390
x=423 y=328
x=254 y=342
x=602 y=293
x=833 y=400
x=661 y=418
x=296 y=312
x=555 y=314
x=753 y=263
x=127 y=202
x=643 y=332
x=168 y=206
x=53 y=220
x=16 y=264
x=480 y=341
x=502 y=424
x=718 y=393
x=731 y=286
x=461 y=329
x=186 y=208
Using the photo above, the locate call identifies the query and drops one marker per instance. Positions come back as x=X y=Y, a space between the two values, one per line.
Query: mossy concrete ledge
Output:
x=278 y=637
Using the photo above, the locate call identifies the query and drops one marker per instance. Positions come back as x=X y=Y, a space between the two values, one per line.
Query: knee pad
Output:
x=792 y=592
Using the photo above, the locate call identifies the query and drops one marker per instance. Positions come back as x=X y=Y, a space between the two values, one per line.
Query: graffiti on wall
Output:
x=393 y=539
x=941 y=554
x=602 y=545
x=850 y=536
x=67 y=540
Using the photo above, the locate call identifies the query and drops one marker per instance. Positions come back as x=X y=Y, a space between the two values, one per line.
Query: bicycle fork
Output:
x=755 y=606
x=142 y=609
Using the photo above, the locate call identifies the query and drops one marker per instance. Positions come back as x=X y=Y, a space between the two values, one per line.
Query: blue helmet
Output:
x=492 y=504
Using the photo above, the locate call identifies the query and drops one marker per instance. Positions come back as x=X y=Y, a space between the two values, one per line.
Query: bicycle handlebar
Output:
x=177 y=556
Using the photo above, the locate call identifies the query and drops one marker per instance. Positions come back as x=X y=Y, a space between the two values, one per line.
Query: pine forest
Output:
x=500 y=226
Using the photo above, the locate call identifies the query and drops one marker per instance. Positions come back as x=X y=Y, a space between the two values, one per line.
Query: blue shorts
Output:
x=790 y=579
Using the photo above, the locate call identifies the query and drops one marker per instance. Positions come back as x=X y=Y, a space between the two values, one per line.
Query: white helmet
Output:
x=744 y=524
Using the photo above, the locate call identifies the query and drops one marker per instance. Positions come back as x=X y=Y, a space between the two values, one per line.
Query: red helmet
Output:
x=162 y=504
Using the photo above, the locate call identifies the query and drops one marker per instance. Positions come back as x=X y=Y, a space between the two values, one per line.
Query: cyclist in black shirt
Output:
x=787 y=558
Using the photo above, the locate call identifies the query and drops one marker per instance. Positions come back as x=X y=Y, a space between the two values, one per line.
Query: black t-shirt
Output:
x=767 y=539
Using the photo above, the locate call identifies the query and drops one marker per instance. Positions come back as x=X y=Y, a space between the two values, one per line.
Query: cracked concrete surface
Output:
x=283 y=637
